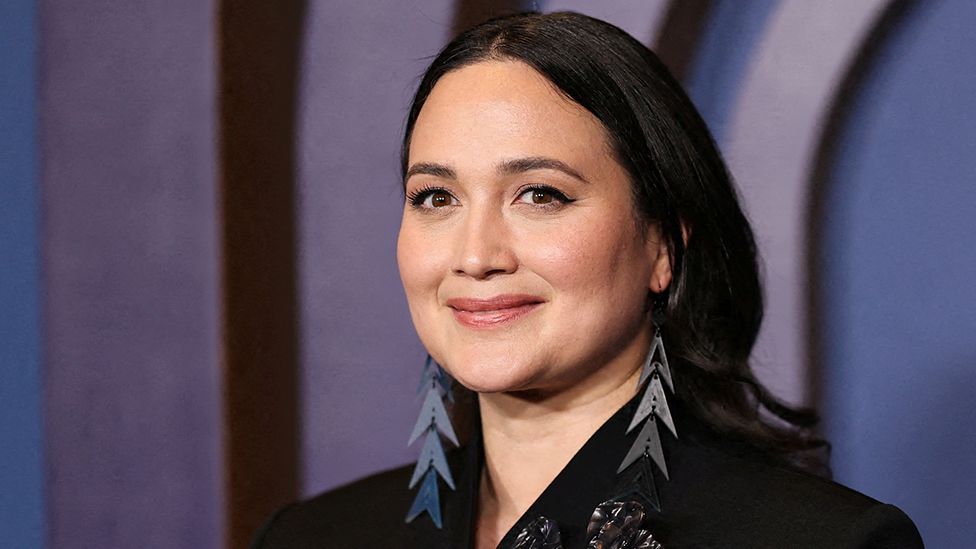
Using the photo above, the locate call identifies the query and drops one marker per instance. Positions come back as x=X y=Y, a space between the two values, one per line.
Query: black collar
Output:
x=586 y=481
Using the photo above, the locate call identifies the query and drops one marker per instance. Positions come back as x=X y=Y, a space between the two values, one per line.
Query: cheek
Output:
x=423 y=258
x=412 y=261
x=587 y=258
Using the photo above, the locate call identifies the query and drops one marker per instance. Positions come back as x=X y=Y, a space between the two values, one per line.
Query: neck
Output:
x=529 y=437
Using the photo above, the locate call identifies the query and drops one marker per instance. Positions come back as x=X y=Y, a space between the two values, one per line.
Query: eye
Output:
x=438 y=199
x=543 y=196
x=431 y=198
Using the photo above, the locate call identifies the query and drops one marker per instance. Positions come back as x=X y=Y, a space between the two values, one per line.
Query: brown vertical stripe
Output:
x=258 y=68
x=678 y=40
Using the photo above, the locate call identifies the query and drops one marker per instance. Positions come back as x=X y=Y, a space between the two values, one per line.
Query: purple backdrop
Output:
x=130 y=259
x=130 y=262
x=361 y=358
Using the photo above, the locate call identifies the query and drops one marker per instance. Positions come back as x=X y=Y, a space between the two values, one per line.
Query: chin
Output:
x=492 y=375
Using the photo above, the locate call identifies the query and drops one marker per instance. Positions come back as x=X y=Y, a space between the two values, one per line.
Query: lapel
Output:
x=586 y=481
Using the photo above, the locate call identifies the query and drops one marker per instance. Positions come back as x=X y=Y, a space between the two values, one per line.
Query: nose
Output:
x=484 y=246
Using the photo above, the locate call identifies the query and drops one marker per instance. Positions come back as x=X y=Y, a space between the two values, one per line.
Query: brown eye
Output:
x=540 y=196
x=431 y=198
x=440 y=199
x=543 y=196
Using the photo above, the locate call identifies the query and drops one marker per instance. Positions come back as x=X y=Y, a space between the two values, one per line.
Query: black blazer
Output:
x=720 y=494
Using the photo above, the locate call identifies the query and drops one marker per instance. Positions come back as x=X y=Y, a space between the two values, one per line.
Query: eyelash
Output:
x=557 y=195
x=417 y=197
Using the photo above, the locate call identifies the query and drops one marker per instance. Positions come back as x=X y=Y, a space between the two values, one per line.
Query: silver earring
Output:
x=432 y=423
x=636 y=477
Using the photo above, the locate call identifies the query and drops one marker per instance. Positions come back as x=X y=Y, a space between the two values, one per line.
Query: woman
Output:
x=574 y=254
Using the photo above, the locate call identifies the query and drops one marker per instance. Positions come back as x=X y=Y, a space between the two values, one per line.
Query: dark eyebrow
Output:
x=508 y=167
x=427 y=168
x=520 y=165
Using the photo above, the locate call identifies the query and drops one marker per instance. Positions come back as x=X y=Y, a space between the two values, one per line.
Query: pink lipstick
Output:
x=492 y=312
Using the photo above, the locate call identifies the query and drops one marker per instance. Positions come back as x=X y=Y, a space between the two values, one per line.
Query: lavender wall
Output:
x=361 y=359
x=130 y=260
x=130 y=274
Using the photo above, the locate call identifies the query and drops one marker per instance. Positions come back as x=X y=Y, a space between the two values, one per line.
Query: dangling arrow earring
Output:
x=432 y=423
x=637 y=478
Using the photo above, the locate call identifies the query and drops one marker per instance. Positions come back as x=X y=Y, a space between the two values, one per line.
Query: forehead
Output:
x=504 y=109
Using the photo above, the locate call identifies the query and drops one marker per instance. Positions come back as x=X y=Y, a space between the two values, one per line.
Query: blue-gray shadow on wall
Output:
x=896 y=292
x=21 y=458
x=732 y=31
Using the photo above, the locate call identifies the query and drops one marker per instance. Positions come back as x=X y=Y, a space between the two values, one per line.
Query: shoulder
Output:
x=366 y=513
x=758 y=504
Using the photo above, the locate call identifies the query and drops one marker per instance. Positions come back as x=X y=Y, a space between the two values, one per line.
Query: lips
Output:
x=492 y=312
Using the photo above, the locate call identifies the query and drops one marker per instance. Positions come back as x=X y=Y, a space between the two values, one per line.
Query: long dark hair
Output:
x=714 y=305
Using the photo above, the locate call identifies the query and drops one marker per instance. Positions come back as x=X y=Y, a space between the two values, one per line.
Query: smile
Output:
x=493 y=312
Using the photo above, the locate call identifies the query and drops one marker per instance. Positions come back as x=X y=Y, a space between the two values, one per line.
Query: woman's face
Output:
x=520 y=254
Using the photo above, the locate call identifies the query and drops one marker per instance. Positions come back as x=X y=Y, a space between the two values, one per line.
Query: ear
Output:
x=657 y=250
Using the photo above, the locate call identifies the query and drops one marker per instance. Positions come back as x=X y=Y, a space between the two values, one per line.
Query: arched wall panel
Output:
x=770 y=146
x=898 y=260
x=728 y=40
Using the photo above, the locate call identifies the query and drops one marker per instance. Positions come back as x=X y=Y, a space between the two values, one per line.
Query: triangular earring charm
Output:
x=637 y=481
x=660 y=405
x=644 y=409
x=653 y=402
x=434 y=375
x=433 y=413
x=427 y=500
x=662 y=364
x=648 y=443
x=432 y=456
